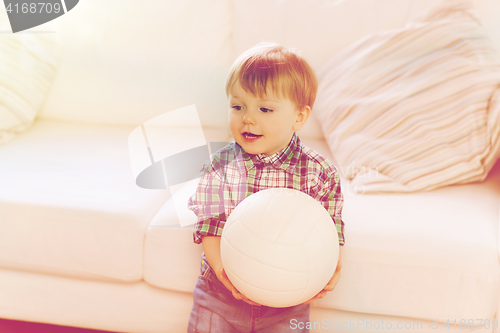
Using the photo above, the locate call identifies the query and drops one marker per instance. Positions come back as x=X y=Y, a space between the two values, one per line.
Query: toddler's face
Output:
x=263 y=126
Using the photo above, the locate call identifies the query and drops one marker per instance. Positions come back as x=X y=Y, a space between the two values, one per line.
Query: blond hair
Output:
x=280 y=69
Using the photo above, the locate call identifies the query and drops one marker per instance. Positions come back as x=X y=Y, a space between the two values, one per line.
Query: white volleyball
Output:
x=279 y=247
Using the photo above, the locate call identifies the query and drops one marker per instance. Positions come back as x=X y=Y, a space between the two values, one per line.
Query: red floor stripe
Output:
x=14 y=326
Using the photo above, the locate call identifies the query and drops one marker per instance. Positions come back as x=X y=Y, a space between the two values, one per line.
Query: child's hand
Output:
x=236 y=294
x=331 y=284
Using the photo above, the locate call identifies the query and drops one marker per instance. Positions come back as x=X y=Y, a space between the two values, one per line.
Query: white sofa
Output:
x=82 y=245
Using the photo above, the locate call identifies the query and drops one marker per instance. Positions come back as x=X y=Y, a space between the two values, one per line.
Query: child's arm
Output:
x=330 y=196
x=211 y=247
x=333 y=281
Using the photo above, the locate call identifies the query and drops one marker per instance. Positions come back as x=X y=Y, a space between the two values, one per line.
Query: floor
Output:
x=14 y=326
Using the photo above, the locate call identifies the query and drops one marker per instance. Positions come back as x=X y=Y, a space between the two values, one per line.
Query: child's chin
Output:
x=249 y=149
x=252 y=151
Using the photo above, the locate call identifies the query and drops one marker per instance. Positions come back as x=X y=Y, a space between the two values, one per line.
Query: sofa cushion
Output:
x=69 y=203
x=415 y=108
x=437 y=248
x=171 y=258
x=29 y=62
x=317 y=28
x=133 y=63
x=168 y=246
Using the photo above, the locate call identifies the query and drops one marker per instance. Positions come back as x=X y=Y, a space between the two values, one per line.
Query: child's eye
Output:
x=236 y=107
x=265 y=110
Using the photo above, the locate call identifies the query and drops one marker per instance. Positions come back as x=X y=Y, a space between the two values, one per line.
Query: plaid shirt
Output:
x=233 y=175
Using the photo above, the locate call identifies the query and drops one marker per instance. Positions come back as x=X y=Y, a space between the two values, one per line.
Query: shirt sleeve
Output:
x=208 y=205
x=332 y=199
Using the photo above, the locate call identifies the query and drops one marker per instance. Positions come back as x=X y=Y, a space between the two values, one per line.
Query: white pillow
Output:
x=29 y=62
x=414 y=108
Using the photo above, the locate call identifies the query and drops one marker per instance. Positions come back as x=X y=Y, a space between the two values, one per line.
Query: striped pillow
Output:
x=416 y=108
x=28 y=62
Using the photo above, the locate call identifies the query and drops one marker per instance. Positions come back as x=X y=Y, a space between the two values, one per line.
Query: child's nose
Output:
x=248 y=118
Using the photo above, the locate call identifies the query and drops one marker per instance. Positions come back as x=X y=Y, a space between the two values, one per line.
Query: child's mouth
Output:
x=250 y=136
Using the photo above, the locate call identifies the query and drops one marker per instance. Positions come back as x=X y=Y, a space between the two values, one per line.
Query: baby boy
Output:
x=271 y=91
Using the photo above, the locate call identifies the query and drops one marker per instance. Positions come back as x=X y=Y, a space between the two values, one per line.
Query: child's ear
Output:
x=302 y=117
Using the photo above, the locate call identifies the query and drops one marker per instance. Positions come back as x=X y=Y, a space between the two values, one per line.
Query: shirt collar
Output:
x=285 y=159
